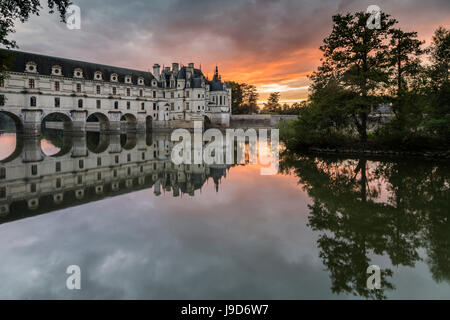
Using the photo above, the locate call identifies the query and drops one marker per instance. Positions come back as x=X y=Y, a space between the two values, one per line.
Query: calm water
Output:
x=147 y=230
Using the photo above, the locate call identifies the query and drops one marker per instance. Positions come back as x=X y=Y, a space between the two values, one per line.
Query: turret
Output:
x=156 y=72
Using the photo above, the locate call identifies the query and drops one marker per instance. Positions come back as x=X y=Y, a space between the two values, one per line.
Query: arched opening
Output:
x=10 y=136
x=148 y=123
x=128 y=141
x=207 y=122
x=97 y=142
x=10 y=123
x=128 y=122
x=53 y=140
x=97 y=122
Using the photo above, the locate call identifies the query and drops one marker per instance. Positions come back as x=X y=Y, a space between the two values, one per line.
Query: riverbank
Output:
x=383 y=153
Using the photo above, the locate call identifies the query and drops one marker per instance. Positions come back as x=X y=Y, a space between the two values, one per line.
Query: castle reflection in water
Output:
x=90 y=167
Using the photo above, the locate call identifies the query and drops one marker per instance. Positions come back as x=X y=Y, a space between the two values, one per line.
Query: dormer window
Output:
x=114 y=77
x=56 y=71
x=31 y=67
x=78 y=73
x=141 y=81
x=128 y=79
x=154 y=83
x=98 y=76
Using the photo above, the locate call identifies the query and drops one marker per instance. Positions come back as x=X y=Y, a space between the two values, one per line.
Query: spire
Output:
x=216 y=74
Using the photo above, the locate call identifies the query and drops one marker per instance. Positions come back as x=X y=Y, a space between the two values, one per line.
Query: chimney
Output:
x=175 y=67
x=156 y=70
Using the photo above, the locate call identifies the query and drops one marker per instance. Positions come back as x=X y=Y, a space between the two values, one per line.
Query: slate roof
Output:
x=45 y=64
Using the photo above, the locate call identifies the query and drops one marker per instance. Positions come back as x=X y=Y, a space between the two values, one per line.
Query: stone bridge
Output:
x=29 y=121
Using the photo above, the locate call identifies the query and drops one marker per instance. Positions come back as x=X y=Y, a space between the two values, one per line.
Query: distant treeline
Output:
x=364 y=68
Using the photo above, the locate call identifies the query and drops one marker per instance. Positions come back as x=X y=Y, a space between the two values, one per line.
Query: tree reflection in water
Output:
x=363 y=208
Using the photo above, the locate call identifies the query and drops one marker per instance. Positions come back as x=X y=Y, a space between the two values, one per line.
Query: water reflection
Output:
x=364 y=208
x=120 y=209
x=56 y=171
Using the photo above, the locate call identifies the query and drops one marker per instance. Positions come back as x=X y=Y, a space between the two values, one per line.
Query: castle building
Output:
x=37 y=86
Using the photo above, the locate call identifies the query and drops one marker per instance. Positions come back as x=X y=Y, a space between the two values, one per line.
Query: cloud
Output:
x=262 y=42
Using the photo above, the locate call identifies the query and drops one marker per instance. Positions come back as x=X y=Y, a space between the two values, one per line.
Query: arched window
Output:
x=33 y=102
x=80 y=103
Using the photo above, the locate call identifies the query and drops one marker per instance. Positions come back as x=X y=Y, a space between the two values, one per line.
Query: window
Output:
x=116 y=159
x=115 y=173
x=99 y=104
x=31 y=83
x=34 y=169
x=172 y=95
x=81 y=164
x=187 y=94
x=154 y=94
x=2 y=82
x=33 y=102
x=199 y=95
x=80 y=179
x=187 y=105
x=33 y=187
x=78 y=87
x=99 y=161
x=2 y=173
x=58 y=182
x=80 y=103
x=142 y=106
x=58 y=166
x=57 y=103
x=128 y=92
x=2 y=99
x=172 y=106
x=220 y=100
x=141 y=93
x=98 y=89
x=116 y=105
x=128 y=157
x=56 y=85
x=128 y=105
x=3 y=192
x=114 y=90
x=154 y=106
x=143 y=155
x=129 y=171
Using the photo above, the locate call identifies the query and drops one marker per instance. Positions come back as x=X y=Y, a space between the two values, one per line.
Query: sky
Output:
x=272 y=44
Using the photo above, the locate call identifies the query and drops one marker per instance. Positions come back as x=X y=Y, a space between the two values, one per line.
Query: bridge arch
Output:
x=128 y=141
x=130 y=121
x=100 y=118
x=52 y=120
x=15 y=119
x=148 y=123
x=97 y=142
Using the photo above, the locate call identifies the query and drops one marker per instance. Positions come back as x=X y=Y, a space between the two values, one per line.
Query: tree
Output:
x=355 y=59
x=437 y=89
x=244 y=98
x=404 y=60
x=272 y=105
